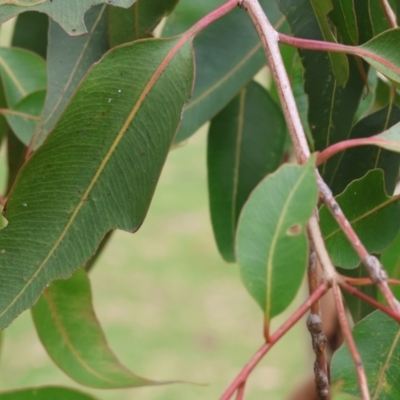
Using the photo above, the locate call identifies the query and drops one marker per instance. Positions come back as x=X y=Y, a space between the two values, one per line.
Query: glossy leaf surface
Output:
x=372 y=213
x=98 y=169
x=22 y=73
x=71 y=334
x=228 y=54
x=272 y=247
x=138 y=21
x=68 y=60
x=45 y=393
x=377 y=338
x=245 y=143
x=69 y=14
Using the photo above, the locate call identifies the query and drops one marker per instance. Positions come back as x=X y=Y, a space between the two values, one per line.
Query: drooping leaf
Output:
x=340 y=65
x=374 y=216
x=331 y=107
x=45 y=393
x=377 y=338
x=31 y=31
x=356 y=162
x=69 y=14
x=68 y=60
x=391 y=262
x=22 y=73
x=138 y=21
x=272 y=247
x=24 y=116
x=368 y=101
x=71 y=334
x=245 y=143
x=228 y=54
x=98 y=169
x=344 y=17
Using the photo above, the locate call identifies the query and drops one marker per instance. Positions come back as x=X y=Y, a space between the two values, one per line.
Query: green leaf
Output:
x=24 y=116
x=272 y=247
x=381 y=52
x=138 y=21
x=16 y=152
x=98 y=169
x=68 y=14
x=364 y=23
x=331 y=110
x=340 y=65
x=68 y=60
x=71 y=334
x=245 y=143
x=389 y=139
x=22 y=73
x=45 y=393
x=391 y=261
x=377 y=339
x=354 y=163
x=228 y=55
x=344 y=17
x=31 y=31
x=379 y=20
x=374 y=216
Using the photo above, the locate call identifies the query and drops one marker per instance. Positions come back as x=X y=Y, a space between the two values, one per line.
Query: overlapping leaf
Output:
x=245 y=143
x=138 y=21
x=68 y=328
x=272 y=247
x=45 y=393
x=228 y=54
x=69 y=14
x=374 y=216
x=68 y=60
x=98 y=169
x=344 y=17
x=377 y=338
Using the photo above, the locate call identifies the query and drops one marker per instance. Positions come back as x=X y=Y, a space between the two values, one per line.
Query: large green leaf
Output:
x=138 y=21
x=98 y=169
x=377 y=338
x=45 y=393
x=356 y=162
x=331 y=107
x=69 y=14
x=372 y=213
x=31 y=31
x=22 y=73
x=71 y=334
x=68 y=60
x=228 y=54
x=391 y=261
x=272 y=247
x=245 y=143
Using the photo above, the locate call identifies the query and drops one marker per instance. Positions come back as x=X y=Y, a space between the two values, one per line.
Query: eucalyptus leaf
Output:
x=245 y=143
x=344 y=17
x=272 y=247
x=374 y=216
x=98 y=169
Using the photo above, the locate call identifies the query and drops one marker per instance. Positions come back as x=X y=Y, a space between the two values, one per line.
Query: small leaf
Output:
x=68 y=60
x=228 y=54
x=377 y=338
x=245 y=143
x=374 y=216
x=22 y=73
x=45 y=393
x=98 y=169
x=272 y=247
x=391 y=262
x=24 y=116
x=389 y=139
x=69 y=14
x=138 y=21
x=69 y=330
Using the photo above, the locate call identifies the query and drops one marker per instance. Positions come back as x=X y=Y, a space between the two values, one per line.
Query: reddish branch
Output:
x=366 y=281
x=240 y=392
x=243 y=375
x=358 y=364
x=389 y=13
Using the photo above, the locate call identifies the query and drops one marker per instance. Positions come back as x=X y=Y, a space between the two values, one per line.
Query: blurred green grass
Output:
x=170 y=307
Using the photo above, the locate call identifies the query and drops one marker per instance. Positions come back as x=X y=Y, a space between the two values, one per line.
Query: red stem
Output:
x=243 y=375
x=240 y=392
x=357 y=293
x=366 y=281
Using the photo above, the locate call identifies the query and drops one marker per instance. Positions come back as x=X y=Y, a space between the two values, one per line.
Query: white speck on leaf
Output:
x=109 y=100
x=24 y=205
